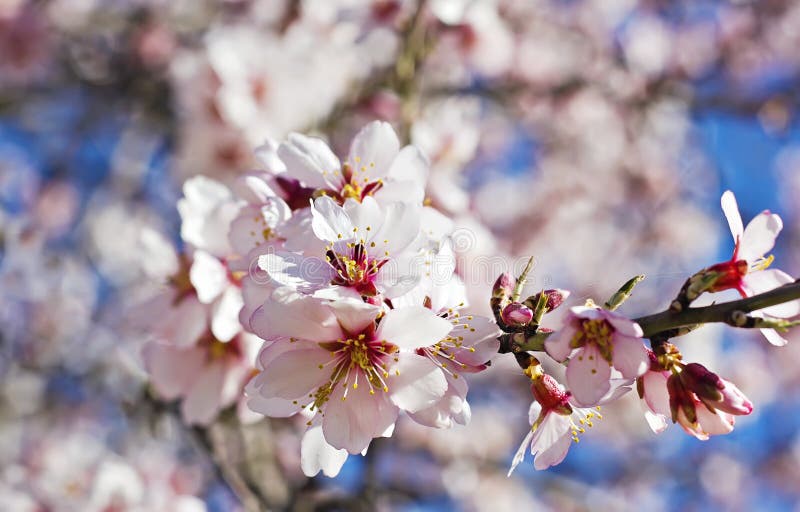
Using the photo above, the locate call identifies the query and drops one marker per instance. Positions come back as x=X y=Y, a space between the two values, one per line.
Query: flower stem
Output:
x=717 y=313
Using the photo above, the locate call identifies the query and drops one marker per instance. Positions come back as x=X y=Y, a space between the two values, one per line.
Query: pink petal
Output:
x=759 y=236
x=624 y=325
x=714 y=424
x=415 y=382
x=558 y=345
x=172 y=370
x=551 y=440
x=629 y=356
x=203 y=401
x=354 y=315
x=294 y=374
x=291 y=314
x=317 y=455
x=401 y=227
x=656 y=395
x=413 y=327
x=554 y=454
x=185 y=323
x=351 y=424
x=588 y=376
x=731 y=211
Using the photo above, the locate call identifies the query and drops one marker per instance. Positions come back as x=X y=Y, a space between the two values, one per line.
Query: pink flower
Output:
x=207 y=376
x=594 y=340
x=376 y=166
x=747 y=270
x=349 y=361
x=556 y=421
x=369 y=248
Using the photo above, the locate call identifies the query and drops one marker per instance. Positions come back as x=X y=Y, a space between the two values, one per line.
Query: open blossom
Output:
x=556 y=421
x=368 y=247
x=747 y=271
x=376 y=166
x=595 y=340
x=351 y=361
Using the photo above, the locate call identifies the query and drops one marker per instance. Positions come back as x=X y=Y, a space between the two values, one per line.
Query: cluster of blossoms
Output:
x=346 y=281
x=605 y=352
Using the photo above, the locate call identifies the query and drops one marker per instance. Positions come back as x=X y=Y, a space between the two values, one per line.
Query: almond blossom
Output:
x=595 y=340
x=556 y=420
x=747 y=271
x=375 y=166
x=369 y=248
x=350 y=361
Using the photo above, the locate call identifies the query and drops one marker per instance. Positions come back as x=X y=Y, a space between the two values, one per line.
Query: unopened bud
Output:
x=503 y=287
x=555 y=297
x=549 y=393
x=713 y=391
x=701 y=381
x=517 y=314
x=680 y=400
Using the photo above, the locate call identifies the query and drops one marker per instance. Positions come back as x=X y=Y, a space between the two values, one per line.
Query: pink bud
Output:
x=733 y=400
x=550 y=395
x=701 y=381
x=555 y=297
x=517 y=314
x=503 y=287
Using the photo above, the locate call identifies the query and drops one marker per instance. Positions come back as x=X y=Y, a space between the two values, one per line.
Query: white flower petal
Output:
x=415 y=382
x=203 y=401
x=208 y=276
x=373 y=149
x=588 y=376
x=629 y=356
x=413 y=327
x=317 y=455
x=354 y=315
x=330 y=221
x=351 y=424
x=759 y=236
x=294 y=374
x=172 y=370
x=225 y=314
x=310 y=160
x=765 y=280
x=294 y=315
x=731 y=211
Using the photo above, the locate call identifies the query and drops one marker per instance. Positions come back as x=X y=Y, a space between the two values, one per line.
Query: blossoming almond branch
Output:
x=324 y=289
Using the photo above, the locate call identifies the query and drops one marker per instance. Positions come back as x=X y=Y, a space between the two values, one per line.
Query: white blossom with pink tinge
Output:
x=747 y=271
x=352 y=362
x=376 y=166
x=595 y=341
x=370 y=248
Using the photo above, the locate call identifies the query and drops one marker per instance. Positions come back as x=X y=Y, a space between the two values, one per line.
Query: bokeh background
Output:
x=595 y=135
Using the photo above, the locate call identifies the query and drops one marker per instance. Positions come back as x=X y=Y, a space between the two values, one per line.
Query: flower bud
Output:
x=503 y=287
x=555 y=297
x=550 y=395
x=701 y=381
x=517 y=314
x=713 y=391
x=680 y=400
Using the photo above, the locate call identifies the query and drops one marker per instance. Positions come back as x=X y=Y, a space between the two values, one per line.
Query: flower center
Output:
x=597 y=332
x=354 y=267
x=356 y=360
